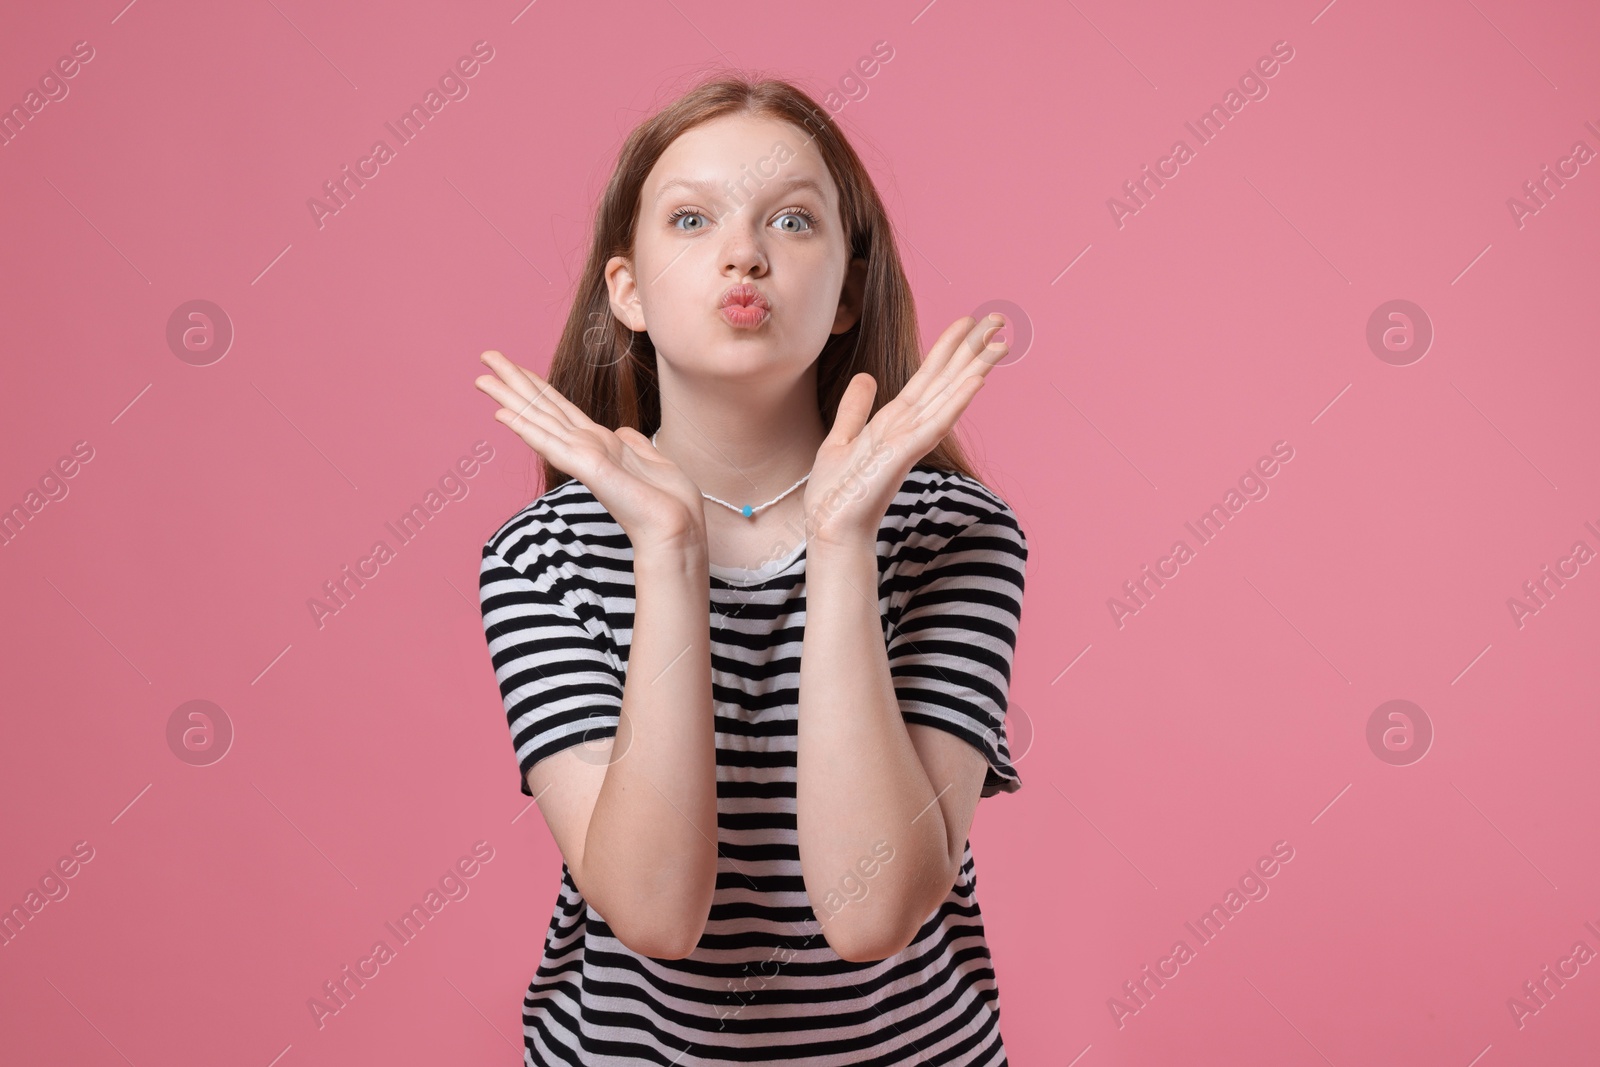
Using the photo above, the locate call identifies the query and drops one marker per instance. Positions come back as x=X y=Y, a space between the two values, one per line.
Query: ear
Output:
x=851 y=297
x=624 y=290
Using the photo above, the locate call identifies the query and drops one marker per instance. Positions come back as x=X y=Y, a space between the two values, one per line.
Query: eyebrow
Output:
x=707 y=185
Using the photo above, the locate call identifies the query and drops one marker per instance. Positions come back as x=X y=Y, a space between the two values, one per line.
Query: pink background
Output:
x=1160 y=758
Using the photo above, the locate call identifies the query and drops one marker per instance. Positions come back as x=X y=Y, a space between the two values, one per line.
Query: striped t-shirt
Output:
x=762 y=984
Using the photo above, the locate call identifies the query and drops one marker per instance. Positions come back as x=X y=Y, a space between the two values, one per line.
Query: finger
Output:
x=512 y=399
x=538 y=436
x=855 y=407
x=575 y=415
x=950 y=354
x=532 y=389
x=540 y=425
x=637 y=441
x=518 y=381
x=982 y=361
x=935 y=393
x=939 y=354
x=974 y=345
x=942 y=417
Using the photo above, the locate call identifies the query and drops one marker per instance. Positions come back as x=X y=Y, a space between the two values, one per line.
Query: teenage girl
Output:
x=755 y=639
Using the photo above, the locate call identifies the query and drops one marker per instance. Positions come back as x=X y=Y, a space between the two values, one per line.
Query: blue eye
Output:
x=811 y=220
x=800 y=212
x=680 y=213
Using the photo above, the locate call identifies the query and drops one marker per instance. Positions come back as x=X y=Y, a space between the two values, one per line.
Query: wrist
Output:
x=682 y=548
x=842 y=544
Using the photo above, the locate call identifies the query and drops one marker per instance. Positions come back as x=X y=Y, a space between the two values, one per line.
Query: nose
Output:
x=743 y=253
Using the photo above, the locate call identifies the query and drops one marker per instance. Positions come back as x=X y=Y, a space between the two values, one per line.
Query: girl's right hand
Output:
x=649 y=496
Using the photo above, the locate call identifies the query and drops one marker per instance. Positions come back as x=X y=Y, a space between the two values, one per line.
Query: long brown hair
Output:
x=609 y=371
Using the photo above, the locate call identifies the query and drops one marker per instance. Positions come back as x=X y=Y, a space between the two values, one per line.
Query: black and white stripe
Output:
x=556 y=589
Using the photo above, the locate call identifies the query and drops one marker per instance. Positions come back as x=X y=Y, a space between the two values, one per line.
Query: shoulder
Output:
x=934 y=507
x=564 y=527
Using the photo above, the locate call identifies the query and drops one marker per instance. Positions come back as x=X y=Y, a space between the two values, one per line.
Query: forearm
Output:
x=860 y=779
x=652 y=837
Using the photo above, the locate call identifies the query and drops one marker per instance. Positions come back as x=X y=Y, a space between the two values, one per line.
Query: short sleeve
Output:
x=560 y=684
x=951 y=645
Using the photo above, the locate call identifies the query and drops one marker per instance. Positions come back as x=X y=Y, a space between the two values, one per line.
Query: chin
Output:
x=729 y=352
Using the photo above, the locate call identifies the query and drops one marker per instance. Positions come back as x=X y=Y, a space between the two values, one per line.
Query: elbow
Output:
x=868 y=952
x=657 y=939
x=661 y=930
x=862 y=942
x=652 y=919
x=870 y=936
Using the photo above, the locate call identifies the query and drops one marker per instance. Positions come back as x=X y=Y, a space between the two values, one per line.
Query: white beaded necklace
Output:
x=747 y=510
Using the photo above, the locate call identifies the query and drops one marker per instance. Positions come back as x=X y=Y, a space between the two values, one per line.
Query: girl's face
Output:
x=738 y=201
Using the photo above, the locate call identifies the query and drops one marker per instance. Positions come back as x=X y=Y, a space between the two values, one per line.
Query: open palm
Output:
x=862 y=463
x=647 y=494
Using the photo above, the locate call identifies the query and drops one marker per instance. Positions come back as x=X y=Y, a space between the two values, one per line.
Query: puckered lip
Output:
x=743 y=294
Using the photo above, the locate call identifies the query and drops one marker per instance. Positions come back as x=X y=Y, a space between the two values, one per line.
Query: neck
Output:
x=739 y=444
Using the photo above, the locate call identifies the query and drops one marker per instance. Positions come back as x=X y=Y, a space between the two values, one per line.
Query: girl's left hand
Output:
x=861 y=465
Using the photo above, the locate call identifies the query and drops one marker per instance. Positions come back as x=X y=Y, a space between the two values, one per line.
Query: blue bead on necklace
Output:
x=746 y=510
